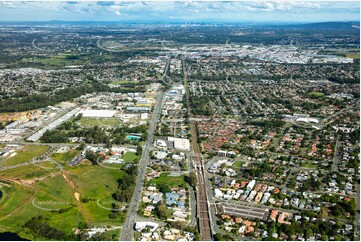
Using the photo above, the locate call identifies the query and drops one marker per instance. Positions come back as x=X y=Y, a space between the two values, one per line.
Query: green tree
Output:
x=218 y=237
x=164 y=188
x=161 y=211
x=139 y=150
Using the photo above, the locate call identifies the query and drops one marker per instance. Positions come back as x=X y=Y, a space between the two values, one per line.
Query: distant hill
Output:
x=331 y=25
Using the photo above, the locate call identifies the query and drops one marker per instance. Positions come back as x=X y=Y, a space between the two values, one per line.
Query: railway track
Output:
x=202 y=202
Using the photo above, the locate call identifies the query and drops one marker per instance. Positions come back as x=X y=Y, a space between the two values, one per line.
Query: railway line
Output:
x=203 y=217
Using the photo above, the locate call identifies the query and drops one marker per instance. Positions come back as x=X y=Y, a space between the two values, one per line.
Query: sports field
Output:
x=99 y=121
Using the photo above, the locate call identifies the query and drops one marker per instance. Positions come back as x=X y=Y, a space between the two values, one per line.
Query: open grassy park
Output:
x=316 y=94
x=99 y=121
x=166 y=179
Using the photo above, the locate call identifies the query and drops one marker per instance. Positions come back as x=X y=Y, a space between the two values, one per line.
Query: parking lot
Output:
x=244 y=211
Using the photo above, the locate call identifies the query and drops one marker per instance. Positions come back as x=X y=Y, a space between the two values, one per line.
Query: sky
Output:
x=184 y=11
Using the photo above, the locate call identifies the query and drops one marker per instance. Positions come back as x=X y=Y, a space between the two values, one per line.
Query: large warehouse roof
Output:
x=53 y=125
x=93 y=113
x=180 y=144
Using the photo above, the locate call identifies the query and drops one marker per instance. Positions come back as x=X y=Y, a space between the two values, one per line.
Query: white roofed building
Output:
x=180 y=144
x=93 y=113
x=139 y=226
x=307 y=120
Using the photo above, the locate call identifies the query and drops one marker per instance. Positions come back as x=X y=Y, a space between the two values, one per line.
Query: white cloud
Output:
x=187 y=10
x=116 y=9
x=279 y=5
x=7 y=4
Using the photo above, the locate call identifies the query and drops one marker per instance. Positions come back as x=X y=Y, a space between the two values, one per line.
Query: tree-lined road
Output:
x=127 y=231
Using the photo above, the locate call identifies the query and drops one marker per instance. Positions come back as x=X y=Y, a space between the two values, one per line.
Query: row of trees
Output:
x=34 y=101
x=42 y=229
x=269 y=123
x=305 y=228
x=126 y=184
x=341 y=80
x=95 y=135
x=94 y=157
x=91 y=135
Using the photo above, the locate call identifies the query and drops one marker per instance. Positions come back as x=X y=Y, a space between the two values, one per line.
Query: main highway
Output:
x=127 y=232
x=204 y=222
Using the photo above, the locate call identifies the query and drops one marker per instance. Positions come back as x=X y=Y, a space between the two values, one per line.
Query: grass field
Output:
x=120 y=82
x=15 y=199
x=353 y=55
x=129 y=156
x=165 y=179
x=94 y=180
x=27 y=153
x=58 y=60
x=99 y=121
x=55 y=189
x=237 y=164
x=30 y=171
x=65 y=157
x=93 y=183
x=21 y=203
x=61 y=60
x=316 y=94
x=26 y=210
x=309 y=165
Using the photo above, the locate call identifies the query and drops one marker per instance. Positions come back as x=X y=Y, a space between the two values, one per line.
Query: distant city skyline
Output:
x=186 y=11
